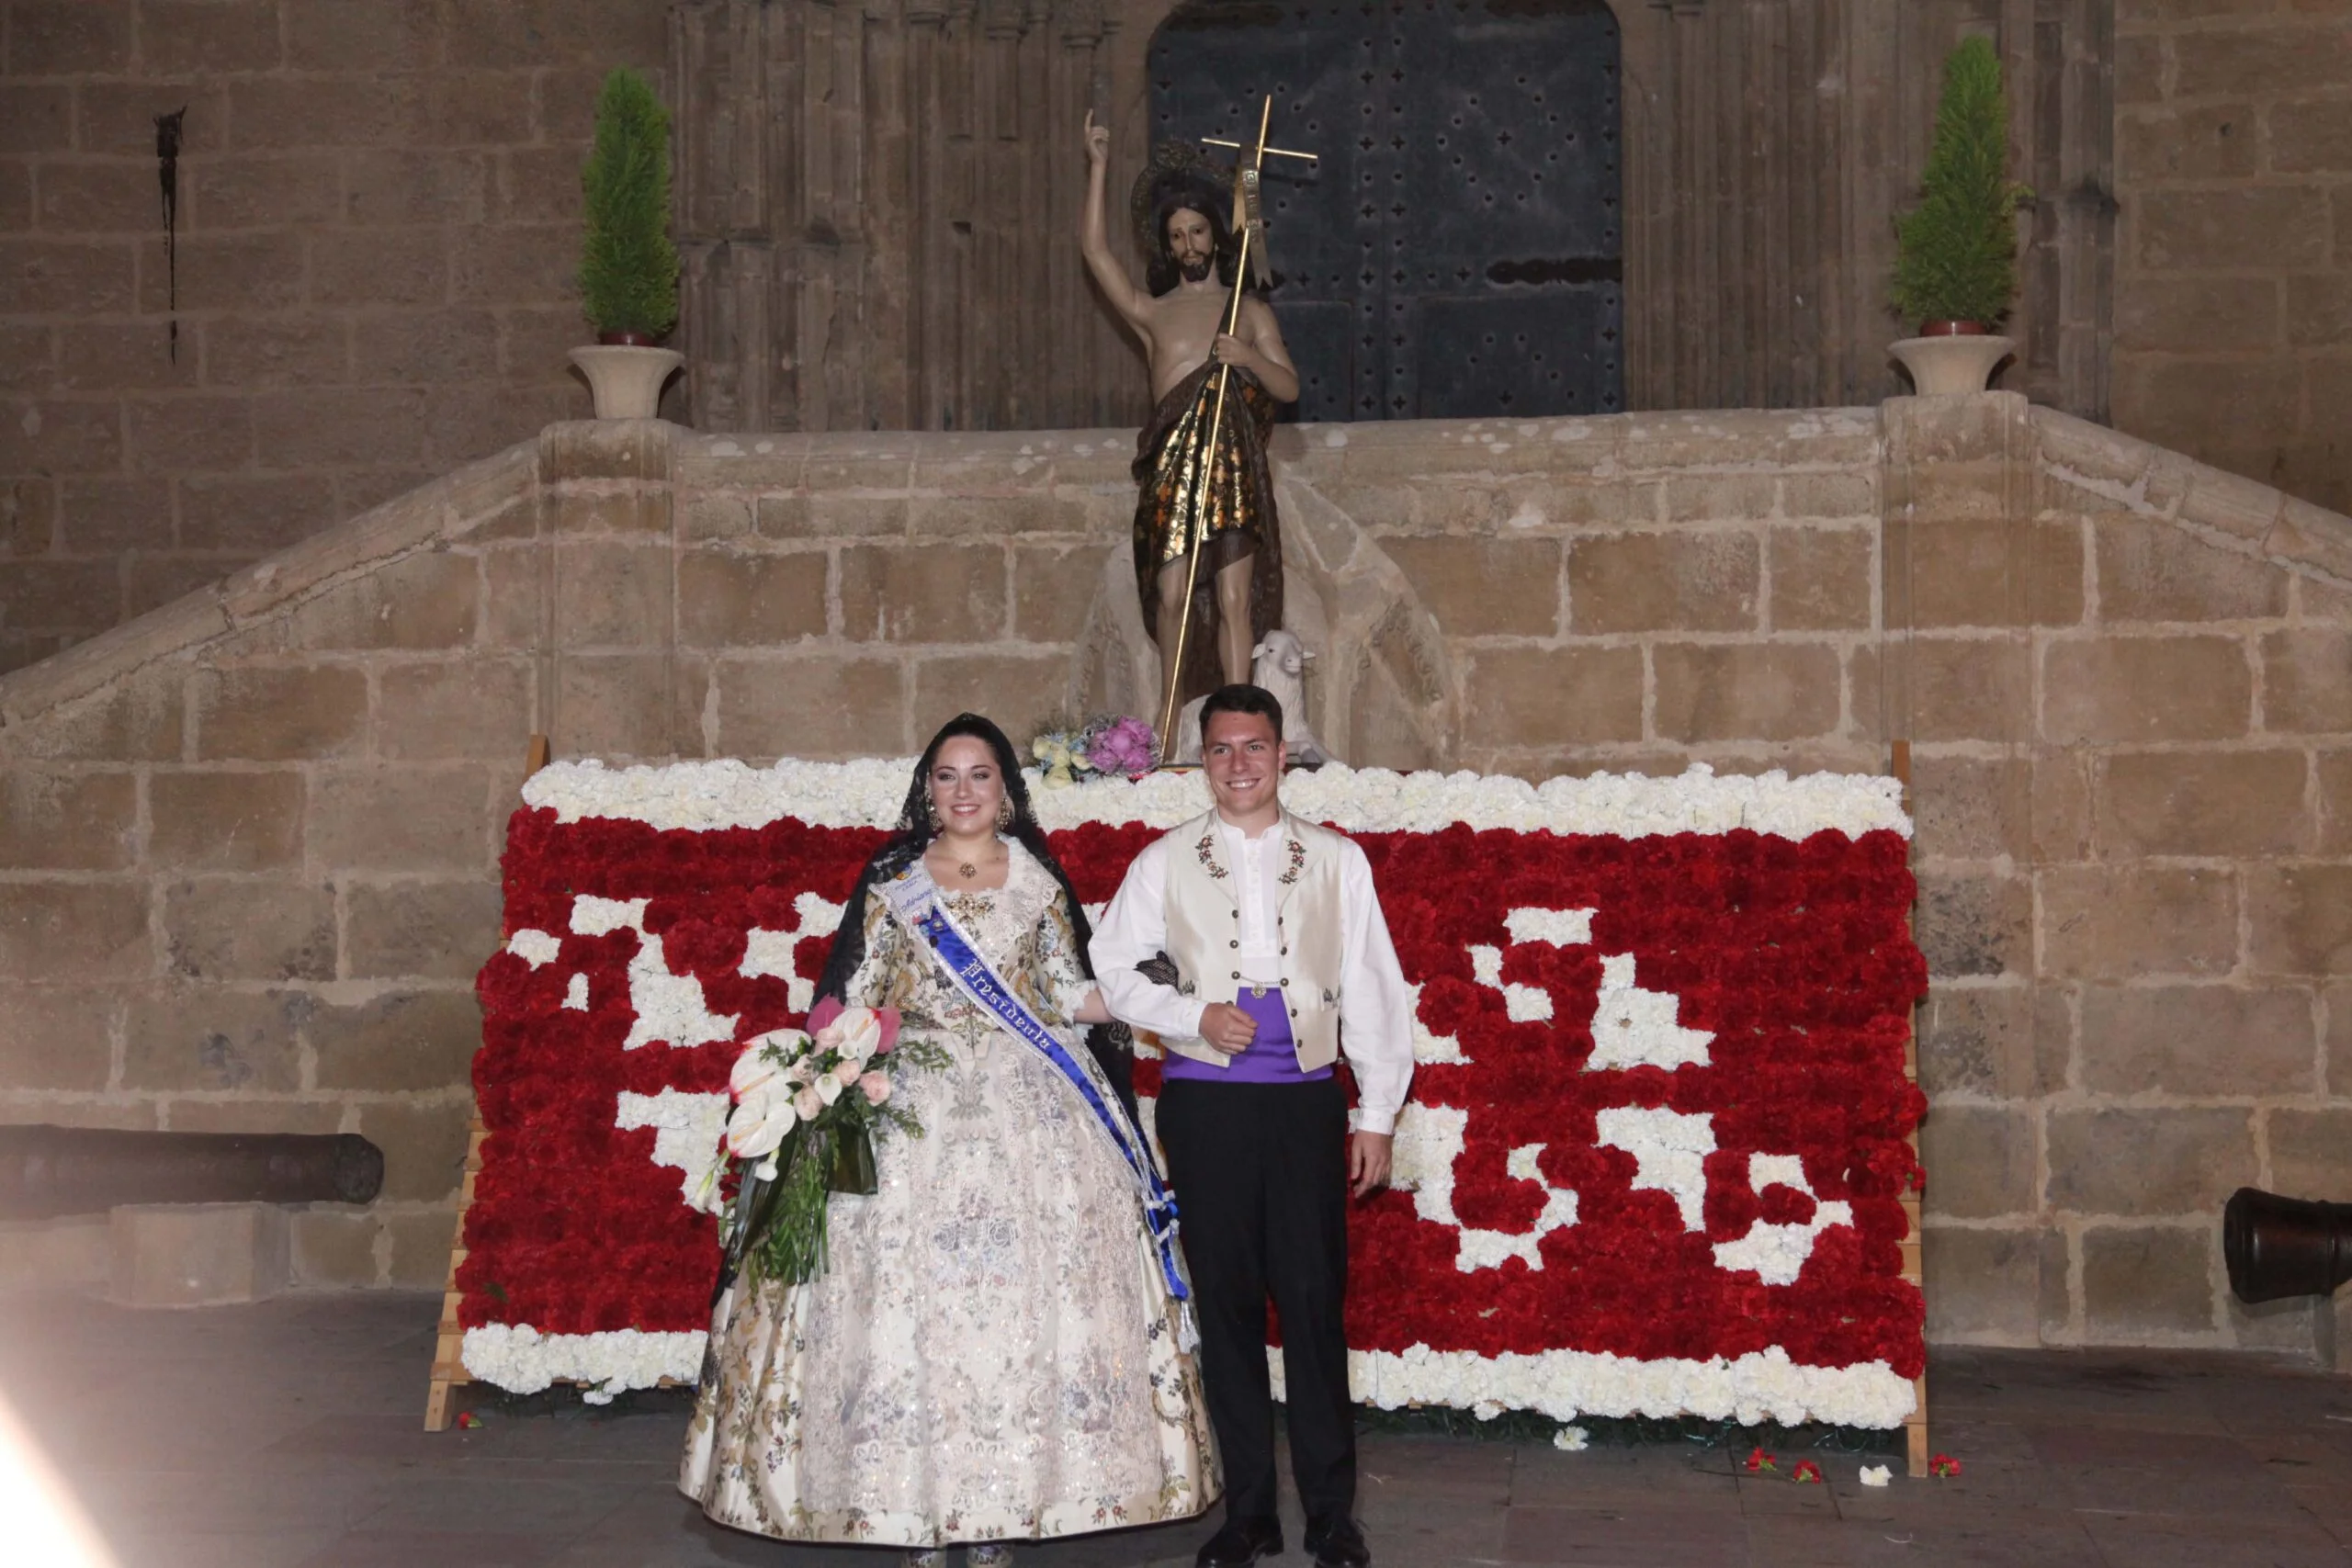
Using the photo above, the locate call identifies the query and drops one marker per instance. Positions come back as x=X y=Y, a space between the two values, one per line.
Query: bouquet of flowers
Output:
x=806 y=1107
x=1105 y=745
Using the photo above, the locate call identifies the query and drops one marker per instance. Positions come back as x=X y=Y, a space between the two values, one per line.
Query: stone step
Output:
x=63 y=1256
x=196 y=1254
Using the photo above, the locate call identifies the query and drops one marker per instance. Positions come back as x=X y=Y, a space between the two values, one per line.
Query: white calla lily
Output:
x=765 y=1058
x=856 y=1033
x=759 y=1124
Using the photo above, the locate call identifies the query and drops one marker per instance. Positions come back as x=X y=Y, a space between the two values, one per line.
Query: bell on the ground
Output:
x=2285 y=1246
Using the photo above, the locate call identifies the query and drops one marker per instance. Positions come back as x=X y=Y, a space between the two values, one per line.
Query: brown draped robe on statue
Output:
x=1236 y=514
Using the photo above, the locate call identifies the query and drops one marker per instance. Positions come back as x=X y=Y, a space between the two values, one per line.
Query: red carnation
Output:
x=1780 y=1204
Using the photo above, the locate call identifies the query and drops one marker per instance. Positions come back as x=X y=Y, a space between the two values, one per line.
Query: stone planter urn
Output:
x=1952 y=357
x=627 y=378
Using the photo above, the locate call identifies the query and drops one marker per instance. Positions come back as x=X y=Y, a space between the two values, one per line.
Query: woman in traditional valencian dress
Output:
x=995 y=1349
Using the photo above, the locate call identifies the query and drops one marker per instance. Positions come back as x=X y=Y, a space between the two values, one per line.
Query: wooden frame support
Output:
x=1915 y=1425
x=449 y=1339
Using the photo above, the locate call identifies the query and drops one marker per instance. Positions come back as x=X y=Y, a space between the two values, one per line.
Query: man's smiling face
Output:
x=1243 y=758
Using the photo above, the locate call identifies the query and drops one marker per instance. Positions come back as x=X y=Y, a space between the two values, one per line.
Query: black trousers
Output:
x=1261 y=1178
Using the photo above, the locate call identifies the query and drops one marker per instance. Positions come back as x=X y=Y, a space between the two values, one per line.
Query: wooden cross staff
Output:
x=1249 y=222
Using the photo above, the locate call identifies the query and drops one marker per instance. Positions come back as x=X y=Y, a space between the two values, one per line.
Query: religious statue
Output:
x=1207 y=544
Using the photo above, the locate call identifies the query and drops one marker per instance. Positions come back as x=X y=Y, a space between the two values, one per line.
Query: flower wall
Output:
x=1658 y=1133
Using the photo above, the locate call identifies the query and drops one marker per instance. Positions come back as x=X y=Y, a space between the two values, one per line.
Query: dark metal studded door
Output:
x=1458 y=251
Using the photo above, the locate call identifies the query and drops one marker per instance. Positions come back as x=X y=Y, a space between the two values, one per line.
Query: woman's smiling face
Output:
x=966 y=785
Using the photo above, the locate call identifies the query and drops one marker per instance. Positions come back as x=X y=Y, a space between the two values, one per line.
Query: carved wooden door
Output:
x=1458 y=252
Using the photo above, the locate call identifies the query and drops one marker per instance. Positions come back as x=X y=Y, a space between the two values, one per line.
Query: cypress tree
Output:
x=629 y=270
x=1956 y=253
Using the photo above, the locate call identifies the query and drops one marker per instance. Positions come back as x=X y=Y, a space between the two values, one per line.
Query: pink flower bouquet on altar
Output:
x=1102 y=746
x=806 y=1105
x=1126 y=747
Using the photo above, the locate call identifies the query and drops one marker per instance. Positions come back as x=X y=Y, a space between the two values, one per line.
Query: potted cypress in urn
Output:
x=629 y=268
x=1956 y=266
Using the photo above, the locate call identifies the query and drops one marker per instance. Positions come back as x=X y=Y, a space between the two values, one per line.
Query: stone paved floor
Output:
x=289 y=1433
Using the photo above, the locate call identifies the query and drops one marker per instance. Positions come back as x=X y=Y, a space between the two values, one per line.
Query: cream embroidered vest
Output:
x=1204 y=930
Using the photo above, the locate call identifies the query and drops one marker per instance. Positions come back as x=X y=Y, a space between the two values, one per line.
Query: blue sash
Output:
x=913 y=896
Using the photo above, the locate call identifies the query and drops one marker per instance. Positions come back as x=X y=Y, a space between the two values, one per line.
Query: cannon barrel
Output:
x=47 y=1171
x=2285 y=1246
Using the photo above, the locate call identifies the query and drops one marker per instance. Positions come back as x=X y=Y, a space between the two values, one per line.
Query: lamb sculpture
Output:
x=1279 y=664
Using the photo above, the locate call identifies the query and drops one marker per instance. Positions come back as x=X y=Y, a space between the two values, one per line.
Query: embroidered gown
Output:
x=990 y=1353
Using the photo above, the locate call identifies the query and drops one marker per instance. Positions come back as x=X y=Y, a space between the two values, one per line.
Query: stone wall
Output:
x=377 y=214
x=2234 y=272
x=2128 y=680
x=249 y=842
x=377 y=226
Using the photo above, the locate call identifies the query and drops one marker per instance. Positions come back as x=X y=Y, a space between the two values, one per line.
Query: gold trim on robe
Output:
x=1238 y=518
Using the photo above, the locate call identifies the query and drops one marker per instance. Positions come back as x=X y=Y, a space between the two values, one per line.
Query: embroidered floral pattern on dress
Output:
x=1298 y=864
x=989 y=1355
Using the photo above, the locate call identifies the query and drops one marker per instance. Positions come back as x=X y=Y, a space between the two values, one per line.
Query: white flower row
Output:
x=1563 y=1384
x=522 y=1359
x=1763 y=1385
x=870 y=792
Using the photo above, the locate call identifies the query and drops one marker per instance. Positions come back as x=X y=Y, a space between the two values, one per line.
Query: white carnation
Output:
x=870 y=792
x=522 y=1359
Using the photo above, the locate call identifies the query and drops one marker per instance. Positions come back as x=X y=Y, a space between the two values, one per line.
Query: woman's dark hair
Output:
x=1161 y=272
x=1113 y=1046
x=1242 y=697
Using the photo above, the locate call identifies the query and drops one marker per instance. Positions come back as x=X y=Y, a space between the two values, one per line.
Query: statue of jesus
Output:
x=1179 y=208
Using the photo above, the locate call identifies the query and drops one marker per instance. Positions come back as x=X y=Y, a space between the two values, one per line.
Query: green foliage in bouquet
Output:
x=785 y=1217
x=806 y=1111
x=629 y=270
x=1956 y=254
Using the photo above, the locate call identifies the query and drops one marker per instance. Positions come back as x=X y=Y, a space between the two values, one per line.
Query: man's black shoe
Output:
x=1339 y=1544
x=1242 y=1542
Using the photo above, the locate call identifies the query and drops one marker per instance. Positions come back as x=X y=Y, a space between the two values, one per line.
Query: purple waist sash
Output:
x=1272 y=1057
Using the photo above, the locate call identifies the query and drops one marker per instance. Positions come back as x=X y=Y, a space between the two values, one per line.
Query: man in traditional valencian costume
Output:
x=1179 y=207
x=1252 y=944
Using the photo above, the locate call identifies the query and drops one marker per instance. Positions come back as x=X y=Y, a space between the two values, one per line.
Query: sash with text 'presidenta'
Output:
x=913 y=896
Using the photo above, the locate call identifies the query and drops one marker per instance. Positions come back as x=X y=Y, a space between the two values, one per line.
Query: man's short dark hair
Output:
x=1241 y=697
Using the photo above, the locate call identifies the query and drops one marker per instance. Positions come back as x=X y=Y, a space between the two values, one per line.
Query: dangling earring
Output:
x=1004 y=813
x=930 y=809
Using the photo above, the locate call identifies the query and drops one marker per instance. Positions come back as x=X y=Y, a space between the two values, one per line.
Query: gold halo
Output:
x=1178 y=166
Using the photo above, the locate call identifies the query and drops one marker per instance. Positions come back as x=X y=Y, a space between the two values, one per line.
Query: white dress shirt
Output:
x=1375 y=1004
